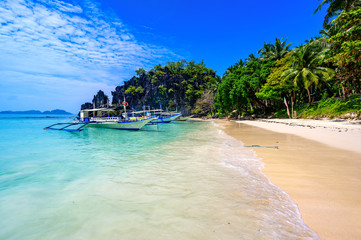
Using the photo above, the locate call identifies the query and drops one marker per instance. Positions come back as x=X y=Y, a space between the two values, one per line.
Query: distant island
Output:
x=52 y=112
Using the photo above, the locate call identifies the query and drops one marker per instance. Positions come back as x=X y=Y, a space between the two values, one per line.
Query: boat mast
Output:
x=125 y=109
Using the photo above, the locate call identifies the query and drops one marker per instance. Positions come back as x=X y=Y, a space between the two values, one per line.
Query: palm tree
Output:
x=336 y=6
x=251 y=58
x=275 y=51
x=234 y=67
x=331 y=30
x=306 y=68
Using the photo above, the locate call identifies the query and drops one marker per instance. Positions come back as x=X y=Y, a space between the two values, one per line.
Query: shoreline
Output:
x=339 y=134
x=316 y=163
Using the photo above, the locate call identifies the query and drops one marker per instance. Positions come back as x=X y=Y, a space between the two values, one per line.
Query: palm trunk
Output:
x=291 y=106
x=347 y=5
x=309 y=96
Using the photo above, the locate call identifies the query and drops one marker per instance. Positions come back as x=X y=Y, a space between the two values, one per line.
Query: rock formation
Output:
x=177 y=86
x=86 y=105
x=100 y=100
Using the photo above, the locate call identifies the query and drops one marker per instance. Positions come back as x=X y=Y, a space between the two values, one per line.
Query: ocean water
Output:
x=184 y=180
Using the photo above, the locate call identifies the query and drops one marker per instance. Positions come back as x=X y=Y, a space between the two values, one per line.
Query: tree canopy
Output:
x=337 y=6
x=345 y=51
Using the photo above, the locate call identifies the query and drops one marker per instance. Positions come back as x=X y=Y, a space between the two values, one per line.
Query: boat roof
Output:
x=135 y=112
x=143 y=111
x=97 y=109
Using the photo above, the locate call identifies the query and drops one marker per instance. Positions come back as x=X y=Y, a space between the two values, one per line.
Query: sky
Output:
x=56 y=54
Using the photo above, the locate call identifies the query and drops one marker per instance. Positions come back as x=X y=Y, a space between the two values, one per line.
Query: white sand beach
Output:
x=318 y=163
x=337 y=133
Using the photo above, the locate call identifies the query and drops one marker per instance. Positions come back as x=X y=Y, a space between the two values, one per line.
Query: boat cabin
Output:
x=97 y=114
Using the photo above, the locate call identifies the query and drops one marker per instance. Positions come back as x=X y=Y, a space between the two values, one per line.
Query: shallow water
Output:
x=184 y=180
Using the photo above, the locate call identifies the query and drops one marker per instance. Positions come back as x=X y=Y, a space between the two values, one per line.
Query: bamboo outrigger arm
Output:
x=79 y=129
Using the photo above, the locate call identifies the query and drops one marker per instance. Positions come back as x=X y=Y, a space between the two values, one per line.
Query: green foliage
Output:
x=140 y=71
x=157 y=76
x=276 y=86
x=239 y=86
x=327 y=108
x=130 y=90
x=162 y=90
x=139 y=90
x=275 y=51
x=335 y=7
x=306 y=69
x=171 y=104
x=176 y=67
x=334 y=108
x=234 y=67
x=205 y=105
x=133 y=90
x=345 y=52
x=176 y=85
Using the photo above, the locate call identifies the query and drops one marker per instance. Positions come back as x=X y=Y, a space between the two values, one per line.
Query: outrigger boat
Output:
x=124 y=122
x=165 y=117
x=161 y=116
x=94 y=118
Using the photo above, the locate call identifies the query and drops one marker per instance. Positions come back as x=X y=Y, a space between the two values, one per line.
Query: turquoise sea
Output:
x=185 y=180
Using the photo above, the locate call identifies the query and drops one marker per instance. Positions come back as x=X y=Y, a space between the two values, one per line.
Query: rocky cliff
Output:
x=100 y=100
x=176 y=86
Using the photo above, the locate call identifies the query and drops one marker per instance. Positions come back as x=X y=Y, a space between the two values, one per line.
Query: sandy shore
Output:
x=341 y=134
x=318 y=163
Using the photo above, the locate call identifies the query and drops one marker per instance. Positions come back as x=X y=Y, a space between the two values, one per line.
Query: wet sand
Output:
x=324 y=181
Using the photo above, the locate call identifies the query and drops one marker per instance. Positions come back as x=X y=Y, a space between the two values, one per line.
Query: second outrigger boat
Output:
x=161 y=116
x=123 y=122
x=165 y=117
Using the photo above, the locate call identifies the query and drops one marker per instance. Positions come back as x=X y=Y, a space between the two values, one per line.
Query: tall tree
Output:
x=345 y=52
x=233 y=68
x=238 y=89
x=335 y=7
x=276 y=88
x=306 y=68
x=275 y=51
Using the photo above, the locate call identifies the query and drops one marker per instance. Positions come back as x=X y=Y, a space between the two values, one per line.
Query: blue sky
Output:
x=58 y=54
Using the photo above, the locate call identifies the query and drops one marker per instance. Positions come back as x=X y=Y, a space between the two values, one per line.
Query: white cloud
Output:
x=47 y=42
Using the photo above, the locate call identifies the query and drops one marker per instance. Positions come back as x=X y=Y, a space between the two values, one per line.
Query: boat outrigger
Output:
x=95 y=118
x=183 y=119
x=69 y=127
x=165 y=117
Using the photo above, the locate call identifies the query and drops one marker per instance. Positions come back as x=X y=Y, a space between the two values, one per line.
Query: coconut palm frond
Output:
x=335 y=7
x=306 y=67
x=274 y=51
x=320 y=6
x=289 y=74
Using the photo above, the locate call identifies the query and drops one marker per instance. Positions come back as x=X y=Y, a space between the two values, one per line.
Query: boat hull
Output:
x=131 y=125
x=166 y=119
x=183 y=119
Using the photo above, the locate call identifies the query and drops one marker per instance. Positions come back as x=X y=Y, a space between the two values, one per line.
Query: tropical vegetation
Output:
x=320 y=78
x=305 y=78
